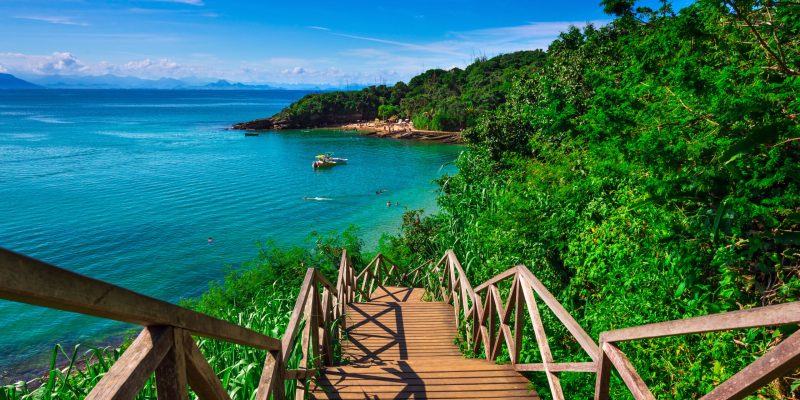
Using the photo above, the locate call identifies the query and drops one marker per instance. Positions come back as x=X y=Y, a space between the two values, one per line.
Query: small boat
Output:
x=327 y=161
x=323 y=164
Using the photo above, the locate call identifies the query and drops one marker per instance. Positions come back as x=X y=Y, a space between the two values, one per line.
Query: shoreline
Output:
x=401 y=131
x=384 y=130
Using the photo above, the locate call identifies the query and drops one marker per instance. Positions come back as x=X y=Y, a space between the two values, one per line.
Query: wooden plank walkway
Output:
x=400 y=347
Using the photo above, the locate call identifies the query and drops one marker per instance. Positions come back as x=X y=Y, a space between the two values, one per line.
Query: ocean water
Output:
x=126 y=186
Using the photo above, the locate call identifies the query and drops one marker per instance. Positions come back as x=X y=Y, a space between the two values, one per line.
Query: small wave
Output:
x=188 y=105
x=47 y=120
x=318 y=198
x=15 y=113
x=130 y=135
x=31 y=137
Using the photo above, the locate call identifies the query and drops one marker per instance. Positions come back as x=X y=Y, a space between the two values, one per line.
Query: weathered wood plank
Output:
x=603 y=381
x=558 y=367
x=779 y=361
x=272 y=376
x=201 y=377
x=171 y=380
x=632 y=380
x=779 y=314
x=541 y=339
x=497 y=278
x=31 y=281
x=290 y=335
x=130 y=372
x=580 y=335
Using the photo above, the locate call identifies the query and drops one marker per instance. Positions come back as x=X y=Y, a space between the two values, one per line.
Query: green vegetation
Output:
x=649 y=170
x=260 y=295
x=435 y=100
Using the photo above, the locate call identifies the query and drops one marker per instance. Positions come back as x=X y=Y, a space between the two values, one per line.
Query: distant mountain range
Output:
x=8 y=81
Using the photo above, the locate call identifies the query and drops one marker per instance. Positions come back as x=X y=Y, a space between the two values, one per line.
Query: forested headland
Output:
x=437 y=100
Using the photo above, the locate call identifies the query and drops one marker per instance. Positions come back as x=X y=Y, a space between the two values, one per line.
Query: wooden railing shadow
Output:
x=401 y=373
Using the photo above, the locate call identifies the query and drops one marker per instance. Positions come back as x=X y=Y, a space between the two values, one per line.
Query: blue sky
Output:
x=292 y=41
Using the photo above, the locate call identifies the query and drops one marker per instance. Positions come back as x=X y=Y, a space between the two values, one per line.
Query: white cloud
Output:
x=65 y=63
x=61 y=63
x=189 y=2
x=378 y=60
x=52 y=19
x=57 y=63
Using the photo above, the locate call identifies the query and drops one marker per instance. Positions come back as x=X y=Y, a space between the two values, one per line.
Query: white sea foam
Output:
x=47 y=119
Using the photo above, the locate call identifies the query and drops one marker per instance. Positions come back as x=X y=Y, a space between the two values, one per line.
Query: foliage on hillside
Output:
x=649 y=171
x=436 y=99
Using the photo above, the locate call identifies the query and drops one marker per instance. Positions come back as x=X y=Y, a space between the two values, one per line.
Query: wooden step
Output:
x=402 y=347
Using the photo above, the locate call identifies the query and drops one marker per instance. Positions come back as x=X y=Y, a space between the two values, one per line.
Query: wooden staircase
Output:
x=393 y=344
x=400 y=347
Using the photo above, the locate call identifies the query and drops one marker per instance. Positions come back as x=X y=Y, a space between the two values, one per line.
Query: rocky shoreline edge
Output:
x=388 y=130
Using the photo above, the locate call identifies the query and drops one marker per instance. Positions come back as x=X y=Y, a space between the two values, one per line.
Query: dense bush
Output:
x=649 y=171
x=435 y=100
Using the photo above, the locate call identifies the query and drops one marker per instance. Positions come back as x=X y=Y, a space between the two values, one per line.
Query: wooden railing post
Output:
x=603 y=376
x=171 y=372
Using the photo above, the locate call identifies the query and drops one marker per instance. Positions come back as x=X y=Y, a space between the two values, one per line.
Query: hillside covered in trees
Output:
x=648 y=170
x=436 y=100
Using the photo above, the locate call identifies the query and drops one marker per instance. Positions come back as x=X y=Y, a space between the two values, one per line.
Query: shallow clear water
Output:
x=126 y=186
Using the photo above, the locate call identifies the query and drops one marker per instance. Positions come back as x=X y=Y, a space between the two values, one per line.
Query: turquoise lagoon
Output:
x=127 y=186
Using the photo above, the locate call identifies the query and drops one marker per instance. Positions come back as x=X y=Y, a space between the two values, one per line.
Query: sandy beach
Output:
x=402 y=130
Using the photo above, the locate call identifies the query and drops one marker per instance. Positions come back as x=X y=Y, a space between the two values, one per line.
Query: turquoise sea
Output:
x=126 y=186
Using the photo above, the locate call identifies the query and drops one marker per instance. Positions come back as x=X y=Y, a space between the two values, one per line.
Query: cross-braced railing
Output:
x=487 y=322
x=165 y=346
x=380 y=271
x=779 y=361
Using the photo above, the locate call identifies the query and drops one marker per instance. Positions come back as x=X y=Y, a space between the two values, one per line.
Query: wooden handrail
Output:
x=27 y=280
x=487 y=318
x=165 y=346
x=778 y=361
x=488 y=311
x=774 y=315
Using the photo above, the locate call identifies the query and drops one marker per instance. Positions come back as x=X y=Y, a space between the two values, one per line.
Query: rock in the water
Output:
x=256 y=125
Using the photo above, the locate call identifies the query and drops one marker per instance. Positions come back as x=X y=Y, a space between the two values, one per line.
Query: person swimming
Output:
x=210 y=240
x=388 y=204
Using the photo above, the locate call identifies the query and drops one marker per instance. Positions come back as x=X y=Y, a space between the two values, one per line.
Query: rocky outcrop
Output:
x=262 y=124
